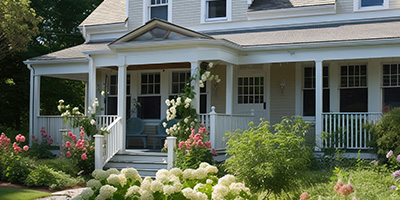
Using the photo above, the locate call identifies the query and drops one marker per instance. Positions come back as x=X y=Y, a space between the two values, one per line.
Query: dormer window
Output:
x=365 y=5
x=216 y=10
x=159 y=9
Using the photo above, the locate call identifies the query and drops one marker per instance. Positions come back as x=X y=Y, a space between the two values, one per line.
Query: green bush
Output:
x=269 y=160
x=45 y=176
x=385 y=133
x=61 y=164
x=15 y=169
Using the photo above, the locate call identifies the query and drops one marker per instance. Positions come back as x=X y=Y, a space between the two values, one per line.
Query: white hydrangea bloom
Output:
x=60 y=101
x=131 y=173
x=168 y=102
x=176 y=171
x=212 y=169
x=132 y=191
x=157 y=186
x=79 y=197
x=92 y=122
x=113 y=179
x=204 y=165
x=200 y=173
x=187 y=174
x=226 y=180
x=99 y=197
x=178 y=101
x=236 y=188
x=146 y=195
x=94 y=184
x=112 y=171
x=107 y=191
x=163 y=175
x=122 y=179
x=164 y=124
x=199 y=186
x=188 y=100
x=219 y=192
x=209 y=181
x=100 y=174
x=87 y=193
x=146 y=184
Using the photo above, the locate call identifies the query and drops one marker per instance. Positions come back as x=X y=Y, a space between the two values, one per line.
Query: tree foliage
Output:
x=18 y=24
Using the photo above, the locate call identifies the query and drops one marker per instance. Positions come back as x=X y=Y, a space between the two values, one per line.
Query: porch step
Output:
x=146 y=162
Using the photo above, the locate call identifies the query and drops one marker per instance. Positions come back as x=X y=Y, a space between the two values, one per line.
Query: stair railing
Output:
x=106 y=146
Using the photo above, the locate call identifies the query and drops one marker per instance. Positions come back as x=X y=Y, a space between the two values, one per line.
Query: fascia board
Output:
x=292 y=12
x=56 y=61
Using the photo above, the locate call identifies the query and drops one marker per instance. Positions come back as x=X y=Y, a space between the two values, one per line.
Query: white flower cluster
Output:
x=94 y=184
x=227 y=186
x=172 y=111
x=193 y=194
x=106 y=191
x=206 y=76
x=201 y=173
x=171 y=182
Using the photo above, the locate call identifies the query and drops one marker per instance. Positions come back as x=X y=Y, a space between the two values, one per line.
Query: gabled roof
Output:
x=279 y=4
x=157 y=29
x=108 y=12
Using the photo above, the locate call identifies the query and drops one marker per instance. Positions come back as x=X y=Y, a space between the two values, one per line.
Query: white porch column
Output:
x=374 y=83
x=194 y=72
x=229 y=89
x=122 y=101
x=92 y=80
x=36 y=105
x=298 y=89
x=318 y=103
x=334 y=91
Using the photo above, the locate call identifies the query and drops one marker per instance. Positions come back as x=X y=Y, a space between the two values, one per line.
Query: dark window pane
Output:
x=182 y=77
x=113 y=80
x=175 y=88
x=144 y=89
x=203 y=103
x=150 y=107
x=351 y=70
x=363 y=70
x=144 y=78
x=326 y=100
x=113 y=90
x=240 y=81
x=246 y=99
x=325 y=71
x=343 y=70
x=386 y=80
x=393 y=80
x=309 y=103
x=159 y=12
x=354 y=100
x=240 y=91
x=111 y=105
x=128 y=90
x=157 y=77
x=365 y=3
x=386 y=69
x=391 y=98
x=157 y=89
x=216 y=9
x=240 y=99
x=262 y=90
x=246 y=81
x=151 y=78
x=150 y=89
x=175 y=77
x=308 y=71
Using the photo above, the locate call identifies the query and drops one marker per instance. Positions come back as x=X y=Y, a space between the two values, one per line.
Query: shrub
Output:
x=80 y=151
x=174 y=184
x=61 y=164
x=41 y=149
x=193 y=151
x=385 y=133
x=45 y=176
x=269 y=160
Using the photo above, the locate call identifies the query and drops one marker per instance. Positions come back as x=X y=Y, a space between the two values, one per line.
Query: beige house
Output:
x=336 y=63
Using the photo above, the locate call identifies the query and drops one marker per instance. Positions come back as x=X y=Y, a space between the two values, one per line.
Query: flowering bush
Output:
x=13 y=167
x=340 y=188
x=79 y=150
x=194 y=150
x=182 y=107
x=78 y=119
x=189 y=184
x=41 y=148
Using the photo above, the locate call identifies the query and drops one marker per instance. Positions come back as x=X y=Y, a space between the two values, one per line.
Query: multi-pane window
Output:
x=216 y=9
x=367 y=3
x=391 y=86
x=179 y=80
x=309 y=91
x=353 y=91
x=159 y=9
x=150 y=83
x=112 y=95
x=250 y=90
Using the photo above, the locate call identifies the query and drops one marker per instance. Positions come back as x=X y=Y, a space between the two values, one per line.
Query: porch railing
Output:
x=218 y=124
x=52 y=125
x=106 y=146
x=347 y=130
x=105 y=120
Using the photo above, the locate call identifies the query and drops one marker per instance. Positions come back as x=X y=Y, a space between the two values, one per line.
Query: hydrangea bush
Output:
x=195 y=150
x=190 y=184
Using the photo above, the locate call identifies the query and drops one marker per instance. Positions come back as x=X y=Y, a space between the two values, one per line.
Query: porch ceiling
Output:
x=76 y=77
x=156 y=66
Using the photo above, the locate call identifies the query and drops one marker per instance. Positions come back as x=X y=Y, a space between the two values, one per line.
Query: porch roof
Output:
x=279 y=4
x=314 y=34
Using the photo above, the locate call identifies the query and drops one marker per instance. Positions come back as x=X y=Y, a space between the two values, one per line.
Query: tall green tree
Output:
x=18 y=24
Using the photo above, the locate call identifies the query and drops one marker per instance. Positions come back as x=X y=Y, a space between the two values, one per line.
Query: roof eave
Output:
x=55 y=61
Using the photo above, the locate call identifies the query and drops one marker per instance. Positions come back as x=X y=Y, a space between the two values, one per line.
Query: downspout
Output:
x=31 y=104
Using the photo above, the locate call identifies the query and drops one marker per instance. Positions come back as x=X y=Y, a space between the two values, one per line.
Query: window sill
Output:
x=371 y=8
x=215 y=20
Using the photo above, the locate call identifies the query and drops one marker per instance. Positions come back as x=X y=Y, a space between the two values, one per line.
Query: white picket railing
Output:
x=218 y=124
x=106 y=146
x=105 y=120
x=347 y=130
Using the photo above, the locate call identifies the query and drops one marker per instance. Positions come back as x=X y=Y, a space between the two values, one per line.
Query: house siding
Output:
x=186 y=12
x=135 y=14
x=282 y=103
x=239 y=10
x=218 y=91
x=347 y=6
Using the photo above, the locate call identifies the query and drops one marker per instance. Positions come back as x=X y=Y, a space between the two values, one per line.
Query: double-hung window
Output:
x=250 y=90
x=158 y=9
x=391 y=86
x=150 y=97
x=309 y=91
x=112 y=95
x=353 y=88
x=216 y=10
x=360 y=5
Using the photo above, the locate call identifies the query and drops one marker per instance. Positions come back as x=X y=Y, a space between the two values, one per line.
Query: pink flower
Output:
x=22 y=139
x=26 y=148
x=390 y=153
x=346 y=190
x=43 y=130
x=187 y=146
x=200 y=143
x=82 y=133
x=70 y=134
x=208 y=144
x=398 y=158
x=74 y=138
x=68 y=144
x=197 y=137
x=15 y=145
x=18 y=137
x=68 y=154
x=213 y=152
x=17 y=149
x=44 y=135
x=304 y=196
x=202 y=130
x=83 y=156
x=181 y=144
x=33 y=137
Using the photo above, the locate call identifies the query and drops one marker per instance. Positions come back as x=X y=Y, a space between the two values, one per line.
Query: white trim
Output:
x=357 y=6
x=146 y=10
x=318 y=102
x=292 y=12
x=63 y=61
x=298 y=89
x=204 y=13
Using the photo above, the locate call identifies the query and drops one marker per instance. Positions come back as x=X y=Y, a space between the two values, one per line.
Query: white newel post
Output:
x=194 y=72
x=213 y=128
x=171 y=142
x=318 y=104
x=229 y=89
x=91 y=81
x=122 y=102
x=98 y=151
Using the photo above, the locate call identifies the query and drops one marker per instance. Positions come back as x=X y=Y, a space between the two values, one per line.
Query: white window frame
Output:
x=147 y=7
x=358 y=8
x=171 y=82
x=390 y=76
x=251 y=94
x=204 y=12
x=348 y=77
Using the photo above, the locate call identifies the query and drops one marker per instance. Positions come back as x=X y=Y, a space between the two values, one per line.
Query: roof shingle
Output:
x=108 y=12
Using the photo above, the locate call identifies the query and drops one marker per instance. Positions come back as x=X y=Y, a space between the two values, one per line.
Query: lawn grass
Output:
x=7 y=193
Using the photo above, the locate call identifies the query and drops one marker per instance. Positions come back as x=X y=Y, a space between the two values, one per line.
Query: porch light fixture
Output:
x=282 y=85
